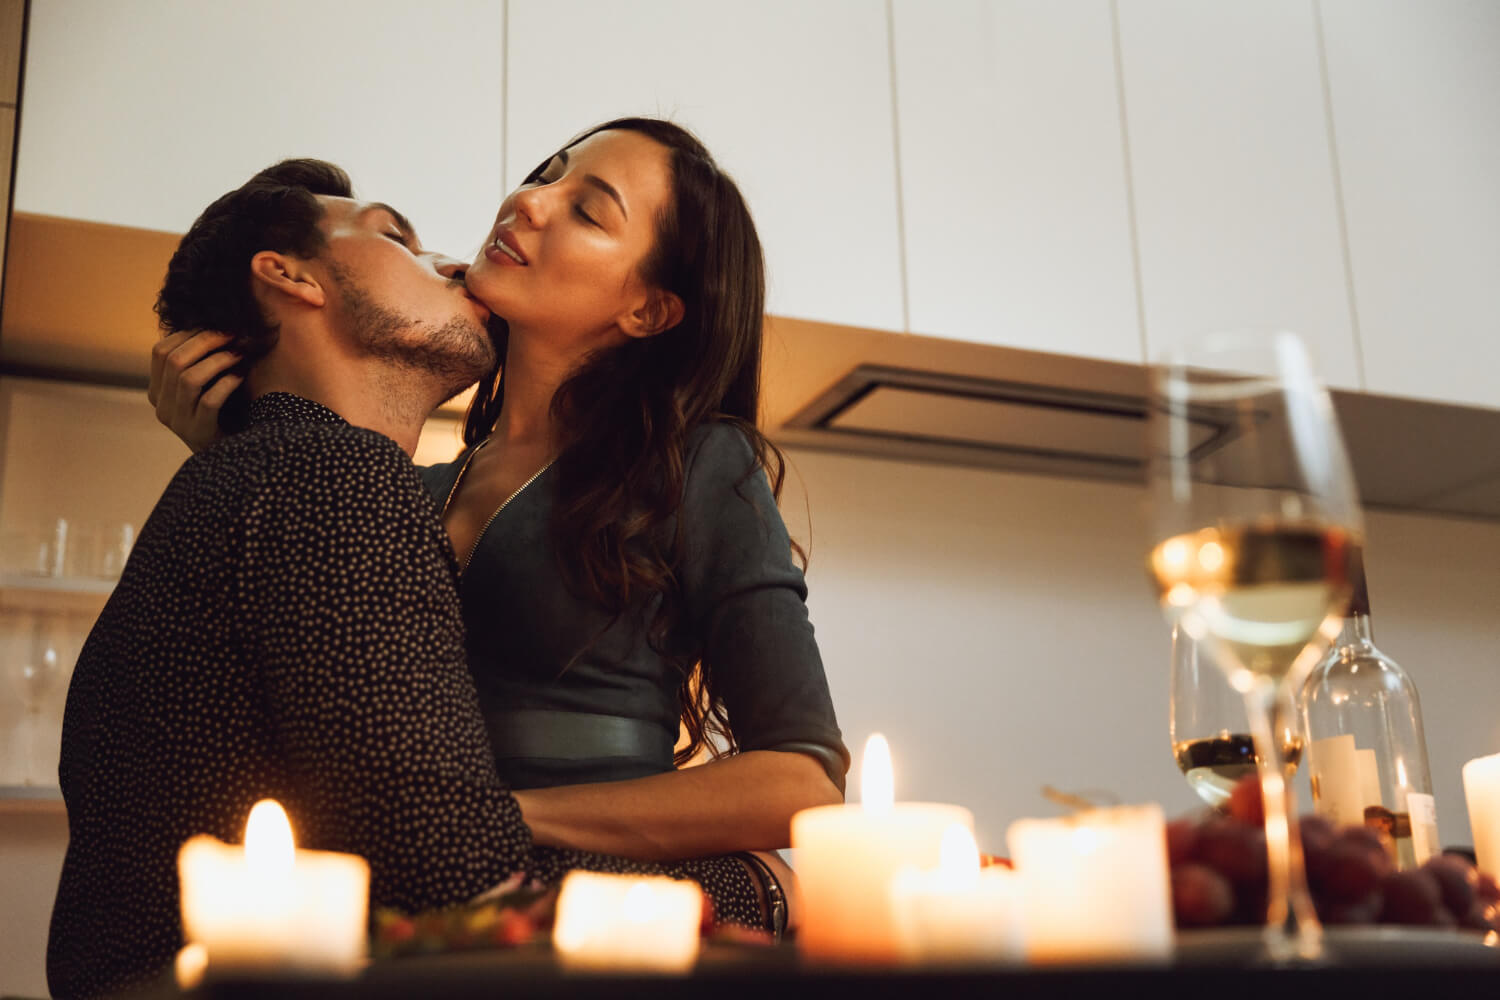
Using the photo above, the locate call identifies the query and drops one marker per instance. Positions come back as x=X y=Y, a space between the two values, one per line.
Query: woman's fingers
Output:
x=171 y=358
x=191 y=379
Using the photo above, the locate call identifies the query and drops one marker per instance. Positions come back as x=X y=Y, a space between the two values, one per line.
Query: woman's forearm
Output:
x=741 y=803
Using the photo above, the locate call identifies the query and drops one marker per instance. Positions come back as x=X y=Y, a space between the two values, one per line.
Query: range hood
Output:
x=78 y=299
x=926 y=399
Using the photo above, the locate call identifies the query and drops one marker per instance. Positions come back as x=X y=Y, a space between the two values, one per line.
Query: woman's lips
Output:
x=504 y=249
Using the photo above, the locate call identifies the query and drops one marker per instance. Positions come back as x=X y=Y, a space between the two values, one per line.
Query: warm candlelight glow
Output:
x=956 y=913
x=877 y=780
x=1095 y=886
x=269 y=848
x=958 y=855
x=846 y=856
x=191 y=964
x=626 y=922
x=268 y=905
x=1482 y=793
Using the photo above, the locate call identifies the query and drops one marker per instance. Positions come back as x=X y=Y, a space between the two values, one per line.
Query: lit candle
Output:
x=956 y=913
x=624 y=922
x=1095 y=886
x=847 y=855
x=1482 y=792
x=269 y=905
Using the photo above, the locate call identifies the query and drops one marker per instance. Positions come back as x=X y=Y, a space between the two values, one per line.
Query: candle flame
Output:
x=877 y=782
x=958 y=854
x=191 y=964
x=268 y=838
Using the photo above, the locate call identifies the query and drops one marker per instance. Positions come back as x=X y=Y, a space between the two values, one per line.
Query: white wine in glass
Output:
x=1255 y=520
x=1211 y=742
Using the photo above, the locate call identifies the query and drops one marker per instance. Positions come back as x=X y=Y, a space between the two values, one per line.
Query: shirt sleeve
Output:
x=349 y=606
x=745 y=598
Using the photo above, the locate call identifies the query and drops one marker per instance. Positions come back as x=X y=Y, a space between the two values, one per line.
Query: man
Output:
x=288 y=625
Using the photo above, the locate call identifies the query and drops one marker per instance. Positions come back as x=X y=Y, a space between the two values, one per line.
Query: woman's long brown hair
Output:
x=627 y=414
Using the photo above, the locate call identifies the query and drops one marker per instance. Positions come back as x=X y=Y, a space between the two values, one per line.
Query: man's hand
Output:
x=190 y=382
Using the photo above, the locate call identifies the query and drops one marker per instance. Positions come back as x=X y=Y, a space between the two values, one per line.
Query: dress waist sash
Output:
x=535 y=732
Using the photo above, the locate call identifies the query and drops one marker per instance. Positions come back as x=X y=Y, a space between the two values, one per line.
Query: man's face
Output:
x=397 y=301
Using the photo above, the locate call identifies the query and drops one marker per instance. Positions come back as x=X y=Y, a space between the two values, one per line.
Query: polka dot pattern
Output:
x=288 y=626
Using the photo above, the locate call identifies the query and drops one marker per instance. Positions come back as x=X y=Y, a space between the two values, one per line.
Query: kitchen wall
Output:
x=1000 y=631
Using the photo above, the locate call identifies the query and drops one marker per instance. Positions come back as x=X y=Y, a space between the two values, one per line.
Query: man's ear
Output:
x=282 y=274
x=660 y=312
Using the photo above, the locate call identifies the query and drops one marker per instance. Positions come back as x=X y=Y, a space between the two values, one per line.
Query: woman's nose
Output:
x=448 y=267
x=531 y=205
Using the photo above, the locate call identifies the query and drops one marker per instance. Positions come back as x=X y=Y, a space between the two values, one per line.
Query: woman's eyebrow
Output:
x=609 y=189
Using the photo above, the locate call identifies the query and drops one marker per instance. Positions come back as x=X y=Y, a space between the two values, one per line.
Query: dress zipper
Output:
x=480 y=537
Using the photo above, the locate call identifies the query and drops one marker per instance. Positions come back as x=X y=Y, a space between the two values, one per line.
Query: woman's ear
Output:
x=282 y=274
x=660 y=312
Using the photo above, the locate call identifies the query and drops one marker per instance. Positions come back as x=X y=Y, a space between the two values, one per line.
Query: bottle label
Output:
x=1424 y=832
x=1337 y=789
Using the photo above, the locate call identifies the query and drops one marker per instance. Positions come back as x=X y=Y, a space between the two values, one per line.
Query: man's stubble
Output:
x=456 y=354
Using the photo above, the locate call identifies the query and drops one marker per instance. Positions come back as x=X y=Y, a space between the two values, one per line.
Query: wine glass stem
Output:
x=1292 y=929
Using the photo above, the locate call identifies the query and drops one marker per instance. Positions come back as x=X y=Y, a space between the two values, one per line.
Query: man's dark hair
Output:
x=208 y=281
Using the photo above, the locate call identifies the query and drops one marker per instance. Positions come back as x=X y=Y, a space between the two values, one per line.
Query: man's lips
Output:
x=504 y=249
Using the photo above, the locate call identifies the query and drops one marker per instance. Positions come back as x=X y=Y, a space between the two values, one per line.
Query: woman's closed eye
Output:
x=399 y=237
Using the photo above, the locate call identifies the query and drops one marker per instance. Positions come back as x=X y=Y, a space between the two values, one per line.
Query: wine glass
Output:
x=36 y=660
x=1254 y=522
x=1208 y=725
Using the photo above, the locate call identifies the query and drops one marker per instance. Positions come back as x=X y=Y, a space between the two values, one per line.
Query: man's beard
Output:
x=455 y=354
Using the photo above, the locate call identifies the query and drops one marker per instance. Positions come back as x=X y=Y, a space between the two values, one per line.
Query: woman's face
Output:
x=564 y=254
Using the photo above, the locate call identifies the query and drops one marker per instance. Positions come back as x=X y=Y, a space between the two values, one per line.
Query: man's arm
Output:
x=350 y=608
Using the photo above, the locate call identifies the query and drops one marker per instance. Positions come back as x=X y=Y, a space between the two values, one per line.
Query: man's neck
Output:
x=376 y=395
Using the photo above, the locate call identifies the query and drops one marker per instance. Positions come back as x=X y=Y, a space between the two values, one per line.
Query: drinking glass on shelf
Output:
x=1208 y=725
x=39 y=652
x=1254 y=518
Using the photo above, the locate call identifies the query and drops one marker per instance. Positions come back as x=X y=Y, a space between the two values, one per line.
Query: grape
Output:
x=1489 y=889
x=1182 y=840
x=1457 y=880
x=1364 y=911
x=1245 y=803
x=1317 y=834
x=1481 y=917
x=1412 y=897
x=1236 y=850
x=1201 y=897
x=1349 y=872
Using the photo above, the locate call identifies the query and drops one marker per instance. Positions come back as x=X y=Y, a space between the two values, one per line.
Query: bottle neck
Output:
x=1356 y=630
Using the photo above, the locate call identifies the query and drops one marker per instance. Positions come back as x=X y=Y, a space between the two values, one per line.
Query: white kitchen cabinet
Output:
x=792 y=98
x=141 y=113
x=1415 y=92
x=1013 y=176
x=1235 y=197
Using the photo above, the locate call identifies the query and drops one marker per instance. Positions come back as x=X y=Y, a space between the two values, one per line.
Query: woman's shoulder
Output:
x=719 y=448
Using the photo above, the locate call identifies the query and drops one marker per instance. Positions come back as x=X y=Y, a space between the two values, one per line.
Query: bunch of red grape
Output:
x=1219 y=874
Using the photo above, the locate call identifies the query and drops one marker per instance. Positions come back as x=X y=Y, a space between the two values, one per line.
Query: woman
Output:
x=613 y=513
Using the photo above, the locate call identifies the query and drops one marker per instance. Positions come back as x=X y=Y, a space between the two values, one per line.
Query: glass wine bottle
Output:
x=1366 y=754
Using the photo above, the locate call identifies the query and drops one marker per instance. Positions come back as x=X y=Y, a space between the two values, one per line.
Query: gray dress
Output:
x=573 y=694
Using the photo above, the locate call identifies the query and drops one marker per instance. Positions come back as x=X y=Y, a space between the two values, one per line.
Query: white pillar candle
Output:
x=1095 y=886
x=625 y=922
x=957 y=914
x=847 y=855
x=1482 y=793
x=269 y=905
